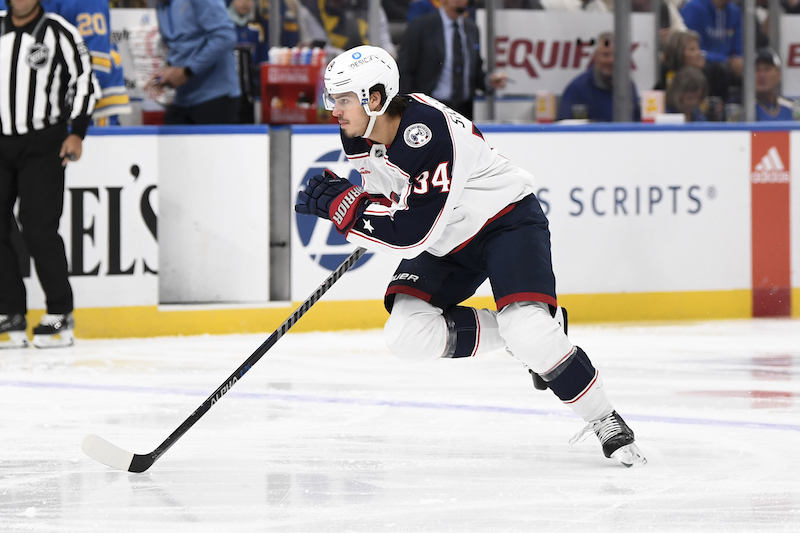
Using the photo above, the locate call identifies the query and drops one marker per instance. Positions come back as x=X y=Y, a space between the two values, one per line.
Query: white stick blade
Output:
x=104 y=452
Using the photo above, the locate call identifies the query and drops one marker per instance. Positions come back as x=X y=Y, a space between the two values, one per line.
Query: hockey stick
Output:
x=103 y=451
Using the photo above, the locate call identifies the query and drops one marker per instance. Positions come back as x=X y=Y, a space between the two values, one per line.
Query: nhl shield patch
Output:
x=417 y=135
x=37 y=55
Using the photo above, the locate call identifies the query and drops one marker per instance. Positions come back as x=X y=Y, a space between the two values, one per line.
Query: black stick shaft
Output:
x=141 y=463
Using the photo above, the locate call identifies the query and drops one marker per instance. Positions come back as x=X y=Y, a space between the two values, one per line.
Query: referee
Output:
x=47 y=94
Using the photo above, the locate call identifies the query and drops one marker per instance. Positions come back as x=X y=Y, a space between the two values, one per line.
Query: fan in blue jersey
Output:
x=91 y=17
x=769 y=104
x=435 y=193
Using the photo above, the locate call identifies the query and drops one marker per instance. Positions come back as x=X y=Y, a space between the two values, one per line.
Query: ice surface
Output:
x=329 y=432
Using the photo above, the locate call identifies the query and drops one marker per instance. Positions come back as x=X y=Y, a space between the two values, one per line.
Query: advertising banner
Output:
x=109 y=225
x=545 y=50
x=638 y=211
x=790 y=55
x=636 y=219
x=214 y=189
x=770 y=178
x=794 y=231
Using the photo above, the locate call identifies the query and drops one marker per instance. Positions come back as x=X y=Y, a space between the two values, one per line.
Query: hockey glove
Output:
x=334 y=198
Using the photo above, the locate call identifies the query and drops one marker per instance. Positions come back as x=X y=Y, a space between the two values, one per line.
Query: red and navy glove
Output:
x=334 y=198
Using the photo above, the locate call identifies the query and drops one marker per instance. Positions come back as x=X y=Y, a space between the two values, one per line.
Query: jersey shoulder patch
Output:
x=417 y=135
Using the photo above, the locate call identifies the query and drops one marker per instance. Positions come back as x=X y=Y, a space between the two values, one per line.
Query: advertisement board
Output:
x=639 y=211
x=109 y=224
x=626 y=214
x=545 y=50
x=790 y=54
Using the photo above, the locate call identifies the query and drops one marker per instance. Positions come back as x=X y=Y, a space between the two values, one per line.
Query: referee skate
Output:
x=12 y=331
x=54 y=331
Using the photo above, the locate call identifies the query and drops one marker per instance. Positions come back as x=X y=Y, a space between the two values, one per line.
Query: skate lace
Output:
x=4 y=319
x=52 y=320
x=605 y=428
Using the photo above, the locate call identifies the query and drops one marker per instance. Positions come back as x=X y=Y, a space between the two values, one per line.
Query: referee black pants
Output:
x=31 y=171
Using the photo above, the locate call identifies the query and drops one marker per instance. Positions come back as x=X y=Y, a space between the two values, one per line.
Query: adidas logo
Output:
x=770 y=169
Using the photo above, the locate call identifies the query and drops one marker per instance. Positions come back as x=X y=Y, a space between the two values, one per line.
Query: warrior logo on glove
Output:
x=336 y=199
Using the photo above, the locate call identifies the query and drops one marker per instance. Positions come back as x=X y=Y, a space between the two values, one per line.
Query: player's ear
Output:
x=375 y=102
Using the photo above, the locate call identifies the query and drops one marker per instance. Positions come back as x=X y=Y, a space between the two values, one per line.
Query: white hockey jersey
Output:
x=435 y=186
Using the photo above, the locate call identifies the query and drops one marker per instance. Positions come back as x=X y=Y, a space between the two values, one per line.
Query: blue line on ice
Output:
x=393 y=403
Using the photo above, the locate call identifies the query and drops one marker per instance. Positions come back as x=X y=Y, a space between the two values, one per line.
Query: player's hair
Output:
x=397 y=105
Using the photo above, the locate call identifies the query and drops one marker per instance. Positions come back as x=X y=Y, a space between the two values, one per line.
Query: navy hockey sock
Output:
x=571 y=377
x=462 y=332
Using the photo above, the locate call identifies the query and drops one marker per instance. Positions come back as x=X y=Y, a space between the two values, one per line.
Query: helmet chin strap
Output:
x=370 y=126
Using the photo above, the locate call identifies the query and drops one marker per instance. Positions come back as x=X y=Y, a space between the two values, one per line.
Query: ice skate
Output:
x=54 y=331
x=561 y=317
x=616 y=438
x=12 y=331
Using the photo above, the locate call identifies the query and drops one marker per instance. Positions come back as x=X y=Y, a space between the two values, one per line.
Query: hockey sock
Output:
x=471 y=331
x=462 y=332
x=578 y=384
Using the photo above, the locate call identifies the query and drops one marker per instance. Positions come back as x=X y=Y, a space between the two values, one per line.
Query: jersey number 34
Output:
x=441 y=179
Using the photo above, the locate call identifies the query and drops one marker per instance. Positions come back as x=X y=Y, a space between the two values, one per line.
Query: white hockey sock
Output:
x=593 y=404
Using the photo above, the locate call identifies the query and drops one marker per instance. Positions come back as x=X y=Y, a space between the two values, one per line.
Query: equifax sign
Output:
x=535 y=56
x=544 y=51
x=793 y=56
x=790 y=54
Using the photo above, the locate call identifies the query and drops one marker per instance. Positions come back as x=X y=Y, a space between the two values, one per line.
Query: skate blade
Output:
x=58 y=340
x=629 y=455
x=13 y=339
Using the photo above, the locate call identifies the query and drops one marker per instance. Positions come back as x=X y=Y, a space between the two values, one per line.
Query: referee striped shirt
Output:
x=45 y=76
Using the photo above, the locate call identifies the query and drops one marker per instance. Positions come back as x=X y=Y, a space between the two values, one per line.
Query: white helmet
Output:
x=358 y=70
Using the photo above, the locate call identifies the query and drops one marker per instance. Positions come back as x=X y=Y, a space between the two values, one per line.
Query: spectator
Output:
x=769 y=104
x=687 y=92
x=201 y=66
x=417 y=8
x=607 y=6
x=91 y=17
x=290 y=32
x=252 y=48
x=670 y=19
x=599 y=6
x=522 y=4
x=719 y=25
x=680 y=48
x=340 y=25
x=430 y=63
x=37 y=141
x=590 y=95
x=683 y=48
x=791 y=6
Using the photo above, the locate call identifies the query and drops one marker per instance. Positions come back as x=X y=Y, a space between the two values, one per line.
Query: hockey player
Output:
x=457 y=212
x=91 y=17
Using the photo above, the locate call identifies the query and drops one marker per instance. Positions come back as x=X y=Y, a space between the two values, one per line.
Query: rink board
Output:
x=167 y=230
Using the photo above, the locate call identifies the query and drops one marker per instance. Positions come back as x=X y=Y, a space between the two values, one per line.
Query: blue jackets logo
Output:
x=417 y=135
